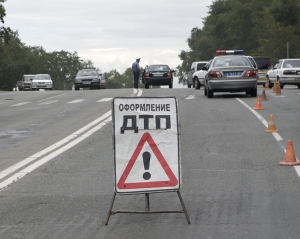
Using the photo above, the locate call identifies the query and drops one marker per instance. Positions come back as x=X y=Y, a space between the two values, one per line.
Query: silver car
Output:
x=42 y=81
x=230 y=72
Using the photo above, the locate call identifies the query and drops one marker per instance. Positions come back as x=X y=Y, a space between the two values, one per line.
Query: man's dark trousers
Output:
x=136 y=79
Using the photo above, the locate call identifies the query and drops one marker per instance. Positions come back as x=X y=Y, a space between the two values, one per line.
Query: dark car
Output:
x=263 y=65
x=157 y=75
x=89 y=77
x=230 y=71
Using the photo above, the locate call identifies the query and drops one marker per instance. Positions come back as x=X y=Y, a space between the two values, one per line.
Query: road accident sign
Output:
x=146 y=144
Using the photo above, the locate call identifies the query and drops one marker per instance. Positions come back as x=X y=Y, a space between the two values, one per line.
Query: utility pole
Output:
x=288 y=44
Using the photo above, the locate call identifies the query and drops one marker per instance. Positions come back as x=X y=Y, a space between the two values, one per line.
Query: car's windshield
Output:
x=159 y=68
x=231 y=61
x=28 y=78
x=291 y=63
x=262 y=63
x=42 y=77
x=87 y=73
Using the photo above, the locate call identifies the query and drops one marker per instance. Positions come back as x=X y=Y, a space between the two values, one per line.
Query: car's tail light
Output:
x=289 y=72
x=169 y=74
x=147 y=74
x=251 y=73
x=215 y=74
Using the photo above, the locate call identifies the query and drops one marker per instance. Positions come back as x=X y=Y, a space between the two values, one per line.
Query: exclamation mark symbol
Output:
x=146 y=160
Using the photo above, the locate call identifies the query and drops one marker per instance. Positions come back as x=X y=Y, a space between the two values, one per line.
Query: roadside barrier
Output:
x=263 y=96
x=258 y=105
x=271 y=125
x=290 y=158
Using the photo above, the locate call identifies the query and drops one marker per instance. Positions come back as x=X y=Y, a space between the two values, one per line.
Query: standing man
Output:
x=136 y=72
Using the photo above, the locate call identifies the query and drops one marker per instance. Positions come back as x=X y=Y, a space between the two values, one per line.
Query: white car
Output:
x=286 y=71
x=198 y=77
x=42 y=81
x=196 y=66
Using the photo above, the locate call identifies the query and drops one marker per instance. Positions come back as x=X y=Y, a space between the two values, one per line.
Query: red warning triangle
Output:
x=172 y=179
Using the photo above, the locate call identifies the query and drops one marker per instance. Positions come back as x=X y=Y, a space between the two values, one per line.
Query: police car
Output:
x=230 y=71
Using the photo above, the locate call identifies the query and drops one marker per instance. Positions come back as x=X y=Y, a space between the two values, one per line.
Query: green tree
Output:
x=4 y=32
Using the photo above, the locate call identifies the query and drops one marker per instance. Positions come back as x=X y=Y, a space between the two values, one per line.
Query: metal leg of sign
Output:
x=147 y=202
x=183 y=208
x=111 y=206
x=147 y=208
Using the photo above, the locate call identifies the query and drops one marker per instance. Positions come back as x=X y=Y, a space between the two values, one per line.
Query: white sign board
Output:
x=146 y=144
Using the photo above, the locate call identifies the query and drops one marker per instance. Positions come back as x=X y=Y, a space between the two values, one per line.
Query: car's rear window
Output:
x=87 y=73
x=200 y=65
x=231 y=61
x=291 y=63
x=159 y=68
x=262 y=63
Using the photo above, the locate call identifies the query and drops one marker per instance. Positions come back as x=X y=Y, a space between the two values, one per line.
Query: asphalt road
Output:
x=57 y=170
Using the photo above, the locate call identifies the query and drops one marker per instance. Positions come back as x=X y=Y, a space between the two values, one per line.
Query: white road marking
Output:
x=68 y=142
x=48 y=102
x=69 y=138
x=190 y=97
x=52 y=97
x=104 y=99
x=76 y=101
x=265 y=123
x=23 y=103
x=52 y=155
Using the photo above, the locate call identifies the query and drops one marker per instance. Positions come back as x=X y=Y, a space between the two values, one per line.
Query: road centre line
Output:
x=48 y=102
x=76 y=101
x=22 y=103
x=52 y=155
x=103 y=120
x=265 y=123
x=54 y=146
x=52 y=97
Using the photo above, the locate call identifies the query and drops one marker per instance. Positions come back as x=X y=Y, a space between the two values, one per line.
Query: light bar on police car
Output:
x=230 y=52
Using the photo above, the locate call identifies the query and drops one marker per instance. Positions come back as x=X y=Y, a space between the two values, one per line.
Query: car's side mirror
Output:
x=172 y=71
x=204 y=68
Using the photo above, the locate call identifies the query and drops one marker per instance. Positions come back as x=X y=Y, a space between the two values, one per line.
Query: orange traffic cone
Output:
x=278 y=91
x=267 y=84
x=271 y=125
x=275 y=87
x=290 y=158
x=264 y=97
x=258 y=105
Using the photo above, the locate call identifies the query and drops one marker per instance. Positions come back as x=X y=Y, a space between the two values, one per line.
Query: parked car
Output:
x=158 y=74
x=198 y=77
x=42 y=81
x=230 y=71
x=89 y=77
x=25 y=83
x=196 y=66
x=263 y=65
x=286 y=71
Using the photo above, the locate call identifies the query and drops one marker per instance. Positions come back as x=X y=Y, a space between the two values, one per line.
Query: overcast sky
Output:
x=111 y=33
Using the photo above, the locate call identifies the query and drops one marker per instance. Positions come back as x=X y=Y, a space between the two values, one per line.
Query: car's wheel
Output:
x=197 y=83
x=205 y=91
x=210 y=93
x=171 y=85
x=189 y=85
x=298 y=86
x=270 y=83
x=253 y=92
x=50 y=89
x=147 y=86
x=76 y=88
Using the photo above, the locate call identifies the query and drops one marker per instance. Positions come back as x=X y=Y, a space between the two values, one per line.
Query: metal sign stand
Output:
x=147 y=208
